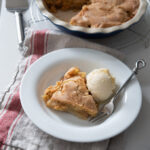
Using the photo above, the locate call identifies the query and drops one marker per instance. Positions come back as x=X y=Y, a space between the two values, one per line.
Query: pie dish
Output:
x=50 y=68
x=108 y=28
x=96 y=13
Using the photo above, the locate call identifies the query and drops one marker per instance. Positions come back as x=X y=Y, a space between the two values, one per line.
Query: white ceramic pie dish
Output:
x=50 y=68
x=67 y=26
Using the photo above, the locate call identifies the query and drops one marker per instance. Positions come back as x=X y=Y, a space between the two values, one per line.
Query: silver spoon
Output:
x=106 y=110
x=18 y=7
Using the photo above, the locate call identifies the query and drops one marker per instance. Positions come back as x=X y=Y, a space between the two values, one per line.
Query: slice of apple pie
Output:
x=71 y=95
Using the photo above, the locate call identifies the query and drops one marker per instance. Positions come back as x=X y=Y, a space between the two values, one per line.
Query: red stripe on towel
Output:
x=36 y=40
x=41 y=49
x=15 y=106
x=9 y=116
x=8 y=100
x=38 y=45
x=15 y=125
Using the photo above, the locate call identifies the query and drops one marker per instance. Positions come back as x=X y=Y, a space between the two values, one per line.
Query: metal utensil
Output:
x=107 y=109
x=18 y=6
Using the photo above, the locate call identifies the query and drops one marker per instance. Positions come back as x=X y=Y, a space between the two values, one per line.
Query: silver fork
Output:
x=107 y=109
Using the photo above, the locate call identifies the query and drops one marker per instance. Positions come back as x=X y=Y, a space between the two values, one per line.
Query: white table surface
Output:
x=134 y=43
x=8 y=47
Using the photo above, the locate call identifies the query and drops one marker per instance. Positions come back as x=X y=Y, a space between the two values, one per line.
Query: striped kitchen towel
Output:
x=16 y=130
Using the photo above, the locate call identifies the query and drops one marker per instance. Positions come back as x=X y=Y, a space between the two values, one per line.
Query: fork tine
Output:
x=98 y=118
x=99 y=115
x=100 y=112
x=91 y=118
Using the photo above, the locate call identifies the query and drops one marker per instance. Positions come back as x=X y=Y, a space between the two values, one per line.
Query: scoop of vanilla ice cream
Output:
x=101 y=84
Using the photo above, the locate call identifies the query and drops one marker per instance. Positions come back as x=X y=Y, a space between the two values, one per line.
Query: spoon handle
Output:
x=20 y=30
x=138 y=65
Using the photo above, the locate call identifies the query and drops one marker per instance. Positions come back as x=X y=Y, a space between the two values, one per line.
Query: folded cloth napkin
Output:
x=16 y=130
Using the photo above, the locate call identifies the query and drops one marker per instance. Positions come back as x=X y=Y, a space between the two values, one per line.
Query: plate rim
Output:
x=75 y=140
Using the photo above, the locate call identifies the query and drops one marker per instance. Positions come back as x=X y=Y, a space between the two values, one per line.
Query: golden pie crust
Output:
x=71 y=95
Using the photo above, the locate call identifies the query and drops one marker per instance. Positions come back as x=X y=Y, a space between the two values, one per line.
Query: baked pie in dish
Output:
x=93 y=17
x=96 y=13
x=71 y=95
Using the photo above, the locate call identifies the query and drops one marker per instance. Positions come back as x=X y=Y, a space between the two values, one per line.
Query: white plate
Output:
x=50 y=68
